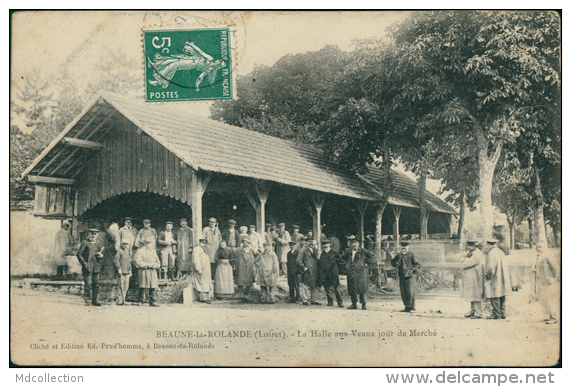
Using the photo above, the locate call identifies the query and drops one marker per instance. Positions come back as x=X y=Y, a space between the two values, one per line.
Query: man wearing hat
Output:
x=407 y=266
x=245 y=259
x=90 y=256
x=185 y=243
x=128 y=233
x=231 y=235
x=497 y=282
x=283 y=247
x=123 y=265
x=473 y=278
x=267 y=268
x=167 y=250
x=357 y=261
x=147 y=262
x=296 y=235
x=329 y=273
x=268 y=237
x=292 y=272
x=201 y=273
x=63 y=248
x=213 y=238
x=307 y=261
x=256 y=240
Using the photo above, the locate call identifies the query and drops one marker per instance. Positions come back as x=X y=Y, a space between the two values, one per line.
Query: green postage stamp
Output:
x=188 y=65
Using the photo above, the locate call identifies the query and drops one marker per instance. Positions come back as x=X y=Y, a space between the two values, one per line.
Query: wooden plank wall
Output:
x=131 y=161
x=54 y=201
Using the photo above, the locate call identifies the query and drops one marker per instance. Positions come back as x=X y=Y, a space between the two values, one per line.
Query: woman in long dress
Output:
x=223 y=279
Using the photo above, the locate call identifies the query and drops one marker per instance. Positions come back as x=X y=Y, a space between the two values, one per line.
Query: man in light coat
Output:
x=473 y=279
x=549 y=282
x=147 y=263
x=201 y=272
x=123 y=265
x=256 y=240
x=267 y=268
x=497 y=282
x=63 y=248
x=213 y=237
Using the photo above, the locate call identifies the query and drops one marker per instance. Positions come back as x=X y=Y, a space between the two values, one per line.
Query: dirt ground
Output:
x=56 y=328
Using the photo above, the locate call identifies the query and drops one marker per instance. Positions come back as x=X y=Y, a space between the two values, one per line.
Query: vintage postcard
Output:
x=285 y=189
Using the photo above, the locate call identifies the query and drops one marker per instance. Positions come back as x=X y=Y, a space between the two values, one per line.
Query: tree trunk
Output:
x=462 y=218
x=385 y=199
x=530 y=227
x=422 y=204
x=512 y=234
x=538 y=219
x=487 y=164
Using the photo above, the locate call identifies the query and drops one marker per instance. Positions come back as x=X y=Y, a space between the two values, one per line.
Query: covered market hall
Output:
x=123 y=157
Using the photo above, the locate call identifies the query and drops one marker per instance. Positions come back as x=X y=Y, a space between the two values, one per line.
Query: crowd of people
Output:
x=236 y=258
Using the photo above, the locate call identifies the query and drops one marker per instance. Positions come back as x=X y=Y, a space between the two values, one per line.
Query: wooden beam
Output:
x=52 y=160
x=99 y=125
x=82 y=143
x=50 y=180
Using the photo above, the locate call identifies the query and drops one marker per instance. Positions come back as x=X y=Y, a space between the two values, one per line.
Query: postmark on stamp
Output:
x=187 y=65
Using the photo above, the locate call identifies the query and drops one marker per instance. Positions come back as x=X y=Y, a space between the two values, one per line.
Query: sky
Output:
x=73 y=41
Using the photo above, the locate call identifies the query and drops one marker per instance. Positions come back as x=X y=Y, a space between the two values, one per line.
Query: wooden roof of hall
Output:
x=213 y=146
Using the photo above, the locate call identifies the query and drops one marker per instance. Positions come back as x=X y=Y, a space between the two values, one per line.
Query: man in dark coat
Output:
x=357 y=262
x=292 y=273
x=329 y=273
x=90 y=256
x=407 y=266
x=231 y=236
x=309 y=271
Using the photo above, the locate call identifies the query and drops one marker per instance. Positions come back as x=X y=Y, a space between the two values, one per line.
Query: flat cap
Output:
x=404 y=243
x=252 y=226
x=247 y=240
x=281 y=225
x=492 y=241
x=183 y=220
x=212 y=220
x=93 y=230
x=146 y=221
x=203 y=240
x=128 y=218
x=168 y=222
x=326 y=242
x=471 y=242
x=292 y=242
x=296 y=226
x=231 y=221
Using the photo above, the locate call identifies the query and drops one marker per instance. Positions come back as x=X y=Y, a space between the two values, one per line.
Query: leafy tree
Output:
x=288 y=99
x=488 y=72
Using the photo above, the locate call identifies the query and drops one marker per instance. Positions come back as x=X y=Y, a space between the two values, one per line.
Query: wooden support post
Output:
x=396 y=230
x=199 y=182
x=258 y=200
x=74 y=218
x=362 y=207
x=318 y=198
